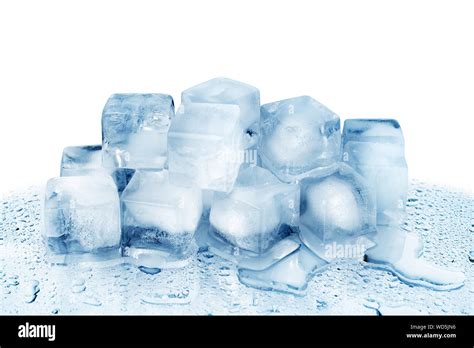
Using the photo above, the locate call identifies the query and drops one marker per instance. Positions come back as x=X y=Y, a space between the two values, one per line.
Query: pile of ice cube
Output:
x=272 y=188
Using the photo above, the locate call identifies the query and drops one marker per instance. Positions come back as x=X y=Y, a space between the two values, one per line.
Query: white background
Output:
x=409 y=60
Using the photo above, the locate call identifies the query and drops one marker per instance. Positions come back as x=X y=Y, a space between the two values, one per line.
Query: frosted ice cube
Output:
x=205 y=145
x=291 y=274
x=337 y=207
x=134 y=130
x=159 y=219
x=82 y=214
x=375 y=148
x=87 y=160
x=258 y=212
x=298 y=136
x=222 y=90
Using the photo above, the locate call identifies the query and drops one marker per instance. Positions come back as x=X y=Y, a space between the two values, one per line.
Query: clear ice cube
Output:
x=217 y=245
x=372 y=131
x=337 y=207
x=159 y=219
x=222 y=90
x=205 y=145
x=81 y=160
x=257 y=213
x=134 y=130
x=299 y=136
x=375 y=148
x=87 y=160
x=82 y=214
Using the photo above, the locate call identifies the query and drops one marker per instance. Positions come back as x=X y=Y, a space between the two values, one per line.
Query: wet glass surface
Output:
x=442 y=217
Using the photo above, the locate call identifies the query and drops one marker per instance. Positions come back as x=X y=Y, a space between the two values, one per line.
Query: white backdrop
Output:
x=409 y=60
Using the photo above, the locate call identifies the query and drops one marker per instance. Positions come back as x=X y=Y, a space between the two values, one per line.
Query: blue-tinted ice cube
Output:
x=291 y=274
x=159 y=219
x=82 y=214
x=337 y=207
x=87 y=160
x=215 y=243
x=372 y=131
x=257 y=213
x=375 y=148
x=205 y=145
x=299 y=136
x=81 y=160
x=226 y=91
x=134 y=130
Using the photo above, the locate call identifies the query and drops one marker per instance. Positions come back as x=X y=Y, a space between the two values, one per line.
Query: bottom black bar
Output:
x=172 y=330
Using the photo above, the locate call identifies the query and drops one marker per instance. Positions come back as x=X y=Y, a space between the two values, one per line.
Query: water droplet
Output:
x=320 y=304
x=149 y=270
x=12 y=282
x=411 y=202
x=34 y=289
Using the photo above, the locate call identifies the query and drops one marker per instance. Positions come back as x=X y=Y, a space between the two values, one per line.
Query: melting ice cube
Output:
x=400 y=253
x=258 y=212
x=248 y=259
x=82 y=214
x=337 y=207
x=291 y=274
x=87 y=160
x=81 y=160
x=375 y=148
x=159 y=219
x=226 y=91
x=134 y=130
x=298 y=136
x=205 y=145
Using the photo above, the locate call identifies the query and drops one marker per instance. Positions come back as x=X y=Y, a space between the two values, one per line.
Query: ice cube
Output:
x=337 y=207
x=205 y=145
x=134 y=130
x=290 y=275
x=399 y=253
x=299 y=136
x=82 y=214
x=390 y=242
x=372 y=130
x=87 y=160
x=375 y=148
x=81 y=160
x=159 y=219
x=226 y=91
x=216 y=244
x=258 y=212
